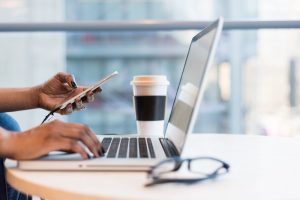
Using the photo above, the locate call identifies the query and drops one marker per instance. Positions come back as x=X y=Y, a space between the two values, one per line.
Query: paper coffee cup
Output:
x=149 y=97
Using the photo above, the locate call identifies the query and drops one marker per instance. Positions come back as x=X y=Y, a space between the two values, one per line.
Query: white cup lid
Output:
x=145 y=80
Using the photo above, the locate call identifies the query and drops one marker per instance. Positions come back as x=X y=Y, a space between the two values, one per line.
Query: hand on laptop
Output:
x=60 y=88
x=52 y=136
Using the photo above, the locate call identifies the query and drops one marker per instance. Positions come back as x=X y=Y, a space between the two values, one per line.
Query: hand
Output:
x=60 y=88
x=52 y=136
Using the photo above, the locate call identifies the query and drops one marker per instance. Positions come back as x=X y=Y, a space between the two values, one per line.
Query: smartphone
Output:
x=91 y=88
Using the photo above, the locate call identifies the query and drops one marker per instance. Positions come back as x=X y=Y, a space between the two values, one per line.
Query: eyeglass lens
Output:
x=205 y=166
x=164 y=167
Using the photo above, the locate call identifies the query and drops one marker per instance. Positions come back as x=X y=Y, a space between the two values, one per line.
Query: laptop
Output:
x=134 y=153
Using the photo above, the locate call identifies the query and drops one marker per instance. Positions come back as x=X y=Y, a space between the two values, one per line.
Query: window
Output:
x=252 y=88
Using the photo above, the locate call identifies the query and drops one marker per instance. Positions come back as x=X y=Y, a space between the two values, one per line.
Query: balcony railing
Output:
x=143 y=25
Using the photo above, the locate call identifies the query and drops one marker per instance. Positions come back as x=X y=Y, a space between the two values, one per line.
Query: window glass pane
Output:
x=70 y=10
x=29 y=59
x=93 y=55
x=252 y=87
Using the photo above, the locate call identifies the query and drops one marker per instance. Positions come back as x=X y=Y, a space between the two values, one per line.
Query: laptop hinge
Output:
x=169 y=147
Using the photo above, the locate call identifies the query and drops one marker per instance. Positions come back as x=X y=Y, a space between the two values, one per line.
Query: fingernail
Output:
x=89 y=157
x=73 y=82
x=79 y=104
x=101 y=153
x=103 y=150
x=96 y=156
x=89 y=98
x=97 y=90
x=69 y=109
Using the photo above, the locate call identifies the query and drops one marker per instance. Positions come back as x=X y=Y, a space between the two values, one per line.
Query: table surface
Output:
x=261 y=168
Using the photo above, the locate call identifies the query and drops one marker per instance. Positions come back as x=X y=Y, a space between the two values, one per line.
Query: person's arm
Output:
x=52 y=136
x=13 y=99
x=47 y=95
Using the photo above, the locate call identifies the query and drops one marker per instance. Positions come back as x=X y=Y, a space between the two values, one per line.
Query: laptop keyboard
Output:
x=113 y=148
x=123 y=148
x=133 y=148
x=117 y=147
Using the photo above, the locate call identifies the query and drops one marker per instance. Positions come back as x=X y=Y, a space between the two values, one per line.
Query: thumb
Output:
x=67 y=78
x=72 y=81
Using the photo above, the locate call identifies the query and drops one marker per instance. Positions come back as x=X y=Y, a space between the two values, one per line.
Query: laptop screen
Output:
x=191 y=86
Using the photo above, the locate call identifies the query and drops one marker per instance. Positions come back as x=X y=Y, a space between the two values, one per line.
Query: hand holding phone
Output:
x=81 y=95
x=91 y=88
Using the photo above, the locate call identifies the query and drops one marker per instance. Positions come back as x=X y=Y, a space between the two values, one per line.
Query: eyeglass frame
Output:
x=179 y=161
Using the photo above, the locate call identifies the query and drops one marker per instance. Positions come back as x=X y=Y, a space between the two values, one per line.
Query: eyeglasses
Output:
x=198 y=169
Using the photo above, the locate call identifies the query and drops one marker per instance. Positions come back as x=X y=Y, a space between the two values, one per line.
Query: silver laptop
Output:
x=133 y=153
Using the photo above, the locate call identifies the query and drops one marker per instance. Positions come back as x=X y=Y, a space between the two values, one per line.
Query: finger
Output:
x=71 y=145
x=75 y=108
x=78 y=132
x=93 y=136
x=97 y=142
x=67 y=78
x=67 y=110
x=78 y=103
x=82 y=133
x=89 y=143
x=97 y=90
x=89 y=97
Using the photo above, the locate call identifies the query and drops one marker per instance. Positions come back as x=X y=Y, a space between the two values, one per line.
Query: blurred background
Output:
x=252 y=88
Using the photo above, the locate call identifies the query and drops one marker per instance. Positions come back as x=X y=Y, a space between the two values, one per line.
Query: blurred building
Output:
x=91 y=55
x=271 y=78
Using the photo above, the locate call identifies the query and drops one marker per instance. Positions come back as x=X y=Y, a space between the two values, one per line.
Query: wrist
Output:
x=35 y=94
x=7 y=143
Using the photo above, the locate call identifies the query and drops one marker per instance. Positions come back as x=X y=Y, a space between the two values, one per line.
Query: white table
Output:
x=261 y=168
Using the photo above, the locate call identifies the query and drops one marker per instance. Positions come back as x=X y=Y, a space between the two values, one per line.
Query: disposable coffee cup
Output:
x=149 y=100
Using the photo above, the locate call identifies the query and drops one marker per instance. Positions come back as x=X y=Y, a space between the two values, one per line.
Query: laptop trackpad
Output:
x=59 y=155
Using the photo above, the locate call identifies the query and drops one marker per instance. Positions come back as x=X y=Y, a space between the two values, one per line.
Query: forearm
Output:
x=5 y=147
x=14 y=99
x=13 y=144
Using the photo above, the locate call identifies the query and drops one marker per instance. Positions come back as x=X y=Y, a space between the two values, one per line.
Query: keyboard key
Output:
x=123 y=148
x=105 y=143
x=113 y=148
x=143 y=148
x=150 y=147
x=133 y=148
